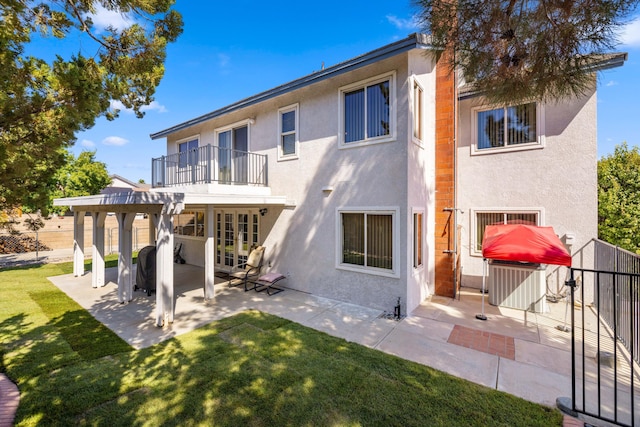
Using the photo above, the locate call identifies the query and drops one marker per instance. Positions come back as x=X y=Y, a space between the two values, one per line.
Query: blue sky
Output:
x=232 y=50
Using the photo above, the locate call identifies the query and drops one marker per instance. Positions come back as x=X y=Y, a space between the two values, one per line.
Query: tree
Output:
x=514 y=50
x=44 y=104
x=619 y=198
x=82 y=176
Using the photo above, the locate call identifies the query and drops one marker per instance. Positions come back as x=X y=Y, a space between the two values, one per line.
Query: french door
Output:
x=236 y=232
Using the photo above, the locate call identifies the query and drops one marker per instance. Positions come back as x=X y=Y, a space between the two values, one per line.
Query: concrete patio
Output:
x=518 y=352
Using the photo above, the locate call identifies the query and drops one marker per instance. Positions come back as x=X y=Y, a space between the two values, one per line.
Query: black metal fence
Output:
x=604 y=345
x=617 y=294
x=209 y=164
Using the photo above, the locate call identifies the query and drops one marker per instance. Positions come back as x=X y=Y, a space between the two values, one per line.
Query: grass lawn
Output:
x=251 y=369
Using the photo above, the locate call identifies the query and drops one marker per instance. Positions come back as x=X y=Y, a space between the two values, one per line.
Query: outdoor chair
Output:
x=246 y=271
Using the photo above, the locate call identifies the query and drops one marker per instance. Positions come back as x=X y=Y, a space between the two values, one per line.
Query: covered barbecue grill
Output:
x=146 y=271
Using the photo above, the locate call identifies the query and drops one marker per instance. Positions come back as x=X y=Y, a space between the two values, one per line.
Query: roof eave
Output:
x=614 y=61
x=414 y=41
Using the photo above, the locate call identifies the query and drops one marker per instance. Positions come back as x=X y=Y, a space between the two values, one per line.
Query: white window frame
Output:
x=391 y=77
x=247 y=122
x=417 y=117
x=395 y=215
x=415 y=264
x=473 y=243
x=186 y=141
x=540 y=131
x=197 y=225
x=281 y=156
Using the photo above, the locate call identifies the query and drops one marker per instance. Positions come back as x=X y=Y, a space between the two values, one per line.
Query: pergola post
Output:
x=164 y=266
x=209 y=256
x=78 y=243
x=97 y=260
x=125 y=261
x=152 y=230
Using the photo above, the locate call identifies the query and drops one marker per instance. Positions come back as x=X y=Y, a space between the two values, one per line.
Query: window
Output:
x=188 y=153
x=512 y=127
x=417 y=111
x=485 y=218
x=288 y=132
x=417 y=239
x=367 y=241
x=233 y=146
x=189 y=223
x=366 y=112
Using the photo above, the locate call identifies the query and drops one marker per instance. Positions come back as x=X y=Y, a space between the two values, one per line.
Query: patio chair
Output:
x=249 y=269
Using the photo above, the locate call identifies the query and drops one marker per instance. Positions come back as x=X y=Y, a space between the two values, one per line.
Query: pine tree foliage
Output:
x=514 y=50
x=44 y=102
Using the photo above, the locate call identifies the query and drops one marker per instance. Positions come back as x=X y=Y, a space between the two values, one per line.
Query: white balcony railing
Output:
x=209 y=164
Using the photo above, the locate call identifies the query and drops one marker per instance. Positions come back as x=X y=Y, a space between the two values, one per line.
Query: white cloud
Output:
x=630 y=34
x=611 y=83
x=88 y=143
x=115 y=141
x=403 y=24
x=154 y=106
x=223 y=60
x=104 y=18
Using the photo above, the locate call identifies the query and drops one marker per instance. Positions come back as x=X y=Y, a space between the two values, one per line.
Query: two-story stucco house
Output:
x=366 y=182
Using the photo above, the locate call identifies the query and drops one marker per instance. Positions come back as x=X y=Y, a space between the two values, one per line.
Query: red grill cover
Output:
x=525 y=243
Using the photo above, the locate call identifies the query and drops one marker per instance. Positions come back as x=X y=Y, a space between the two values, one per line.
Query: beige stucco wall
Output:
x=301 y=240
x=560 y=179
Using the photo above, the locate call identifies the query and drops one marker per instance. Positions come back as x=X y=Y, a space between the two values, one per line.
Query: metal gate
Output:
x=604 y=348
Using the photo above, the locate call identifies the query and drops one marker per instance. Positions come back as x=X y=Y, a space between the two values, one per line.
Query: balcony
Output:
x=208 y=165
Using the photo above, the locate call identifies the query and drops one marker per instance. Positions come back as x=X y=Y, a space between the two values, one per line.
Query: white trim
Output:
x=189 y=138
x=234 y=212
x=540 y=131
x=394 y=211
x=413 y=81
x=194 y=212
x=246 y=122
x=473 y=216
x=415 y=211
x=391 y=77
x=281 y=111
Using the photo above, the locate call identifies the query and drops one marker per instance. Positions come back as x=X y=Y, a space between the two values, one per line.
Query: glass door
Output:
x=236 y=233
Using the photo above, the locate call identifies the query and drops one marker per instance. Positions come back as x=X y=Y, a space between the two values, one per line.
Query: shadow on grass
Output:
x=248 y=369
x=258 y=369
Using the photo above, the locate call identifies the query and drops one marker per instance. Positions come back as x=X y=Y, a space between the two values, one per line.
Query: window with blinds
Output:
x=367 y=239
x=493 y=218
x=366 y=111
x=507 y=127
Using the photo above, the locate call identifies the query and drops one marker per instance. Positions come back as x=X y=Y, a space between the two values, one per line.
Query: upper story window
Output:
x=188 y=152
x=233 y=146
x=288 y=132
x=418 y=126
x=366 y=110
x=509 y=128
x=494 y=217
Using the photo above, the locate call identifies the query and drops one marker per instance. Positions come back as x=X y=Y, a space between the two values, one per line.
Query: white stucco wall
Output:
x=560 y=179
x=421 y=180
x=301 y=241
